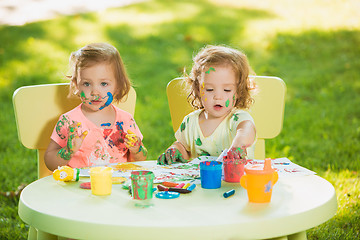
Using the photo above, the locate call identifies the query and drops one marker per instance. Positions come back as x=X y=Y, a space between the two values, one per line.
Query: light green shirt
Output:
x=191 y=136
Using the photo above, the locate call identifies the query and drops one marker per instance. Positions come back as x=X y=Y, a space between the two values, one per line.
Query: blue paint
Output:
x=191 y=187
x=119 y=125
x=105 y=124
x=108 y=101
x=210 y=174
x=268 y=187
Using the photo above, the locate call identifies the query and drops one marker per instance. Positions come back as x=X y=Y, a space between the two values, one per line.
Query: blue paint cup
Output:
x=210 y=174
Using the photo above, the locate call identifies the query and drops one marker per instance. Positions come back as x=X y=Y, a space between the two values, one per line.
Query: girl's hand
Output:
x=138 y=152
x=74 y=141
x=171 y=155
x=132 y=142
x=236 y=153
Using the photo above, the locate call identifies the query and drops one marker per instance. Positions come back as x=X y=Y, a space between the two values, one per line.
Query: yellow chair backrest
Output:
x=267 y=110
x=37 y=109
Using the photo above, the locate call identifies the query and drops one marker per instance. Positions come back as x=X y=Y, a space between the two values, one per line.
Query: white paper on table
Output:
x=187 y=172
x=285 y=167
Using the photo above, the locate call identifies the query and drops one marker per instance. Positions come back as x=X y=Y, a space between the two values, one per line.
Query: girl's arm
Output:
x=137 y=150
x=137 y=153
x=245 y=135
x=56 y=156
x=52 y=156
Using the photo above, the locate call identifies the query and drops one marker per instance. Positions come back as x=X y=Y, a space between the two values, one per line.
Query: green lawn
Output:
x=314 y=46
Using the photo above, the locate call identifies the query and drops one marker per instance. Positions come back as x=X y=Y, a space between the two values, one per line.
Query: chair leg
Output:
x=46 y=236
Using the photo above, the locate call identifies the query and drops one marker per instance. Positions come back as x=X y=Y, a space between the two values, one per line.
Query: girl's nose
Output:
x=217 y=95
x=94 y=91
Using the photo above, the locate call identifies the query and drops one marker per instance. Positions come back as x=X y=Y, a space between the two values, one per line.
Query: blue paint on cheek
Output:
x=108 y=102
x=105 y=124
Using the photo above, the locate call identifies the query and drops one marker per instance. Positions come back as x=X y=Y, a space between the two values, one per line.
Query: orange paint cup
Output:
x=258 y=181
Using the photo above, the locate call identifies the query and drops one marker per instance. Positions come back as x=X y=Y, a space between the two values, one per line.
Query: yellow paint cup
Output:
x=259 y=181
x=101 y=180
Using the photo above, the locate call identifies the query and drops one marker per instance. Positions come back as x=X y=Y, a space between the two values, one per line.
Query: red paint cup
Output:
x=233 y=170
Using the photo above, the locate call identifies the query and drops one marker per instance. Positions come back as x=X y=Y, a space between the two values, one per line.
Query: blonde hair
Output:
x=99 y=53
x=211 y=56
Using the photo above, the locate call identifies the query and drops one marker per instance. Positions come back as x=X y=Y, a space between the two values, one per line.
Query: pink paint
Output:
x=180 y=185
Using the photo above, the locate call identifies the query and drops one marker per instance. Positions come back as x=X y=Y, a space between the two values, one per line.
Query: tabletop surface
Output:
x=298 y=203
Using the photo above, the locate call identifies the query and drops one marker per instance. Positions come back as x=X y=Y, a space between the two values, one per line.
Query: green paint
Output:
x=143 y=150
x=182 y=126
x=236 y=117
x=227 y=103
x=82 y=94
x=142 y=185
x=198 y=142
x=65 y=154
x=60 y=124
x=203 y=153
x=178 y=156
x=211 y=68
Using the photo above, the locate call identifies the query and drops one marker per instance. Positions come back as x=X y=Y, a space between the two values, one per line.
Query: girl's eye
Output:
x=209 y=89
x=86 y=84
x=227 y=90
x=104 y=84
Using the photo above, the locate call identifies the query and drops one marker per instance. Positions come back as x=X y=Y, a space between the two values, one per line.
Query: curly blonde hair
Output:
x=211 y=56
x=99 y=53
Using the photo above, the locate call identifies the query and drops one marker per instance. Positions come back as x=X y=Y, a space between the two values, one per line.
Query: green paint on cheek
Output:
x=82 y=94
x=227 y=103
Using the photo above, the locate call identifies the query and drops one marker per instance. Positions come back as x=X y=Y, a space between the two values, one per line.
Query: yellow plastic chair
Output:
x=267 y=111
x=38 y=108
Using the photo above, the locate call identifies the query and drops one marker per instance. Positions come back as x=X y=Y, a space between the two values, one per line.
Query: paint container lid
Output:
x=167 y=195
x=258 y=169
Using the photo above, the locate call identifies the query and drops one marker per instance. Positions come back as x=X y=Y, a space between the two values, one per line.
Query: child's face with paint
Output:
x=218 y=90
x=96 y=85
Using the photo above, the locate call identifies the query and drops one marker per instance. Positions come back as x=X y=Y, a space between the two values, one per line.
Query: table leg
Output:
x=298 y=236
x=32 y=235
x=279 y=238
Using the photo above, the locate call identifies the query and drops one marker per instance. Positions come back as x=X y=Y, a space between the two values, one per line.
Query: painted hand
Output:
x=236 y=153
x=132 y=142
x=74 y=141
x=171 y=155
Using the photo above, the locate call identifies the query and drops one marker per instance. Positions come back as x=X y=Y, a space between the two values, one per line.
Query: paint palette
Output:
x=127 y=167
x=167 y=195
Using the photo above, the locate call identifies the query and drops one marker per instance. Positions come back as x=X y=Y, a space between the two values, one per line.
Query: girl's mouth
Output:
x=218 y=107
x=95 y=102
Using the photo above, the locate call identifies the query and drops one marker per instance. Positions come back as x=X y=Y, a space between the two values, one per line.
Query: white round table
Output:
x=64 y=209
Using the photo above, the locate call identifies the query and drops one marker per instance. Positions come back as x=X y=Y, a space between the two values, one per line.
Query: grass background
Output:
x=314 y=46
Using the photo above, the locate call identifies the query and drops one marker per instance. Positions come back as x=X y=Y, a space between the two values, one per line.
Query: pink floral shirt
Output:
x=101 y=145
